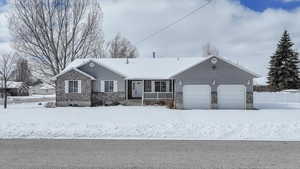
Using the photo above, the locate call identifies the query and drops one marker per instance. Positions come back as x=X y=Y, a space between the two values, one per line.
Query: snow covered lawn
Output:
x=29 y=99
x=271 y=122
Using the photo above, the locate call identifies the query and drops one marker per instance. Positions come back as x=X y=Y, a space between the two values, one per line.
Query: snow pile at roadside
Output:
x=273 y=122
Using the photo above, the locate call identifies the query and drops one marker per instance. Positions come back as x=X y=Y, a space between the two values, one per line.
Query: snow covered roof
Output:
x=145 y=68
x=11 y=84
x=46 y=86
x=69 y=68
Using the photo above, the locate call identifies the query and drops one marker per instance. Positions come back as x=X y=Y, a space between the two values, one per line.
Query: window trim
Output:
x=71 y=85
x=113 y=86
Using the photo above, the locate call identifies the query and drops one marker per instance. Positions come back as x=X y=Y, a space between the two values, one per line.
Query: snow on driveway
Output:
x=272 y=122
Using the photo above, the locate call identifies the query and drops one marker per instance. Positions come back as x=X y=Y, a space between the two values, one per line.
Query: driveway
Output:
x=119 y=154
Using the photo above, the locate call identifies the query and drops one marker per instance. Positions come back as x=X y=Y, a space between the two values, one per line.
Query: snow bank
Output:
x=33 y=121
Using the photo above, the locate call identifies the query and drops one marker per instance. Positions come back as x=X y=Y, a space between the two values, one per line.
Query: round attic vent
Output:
x=214 y=61
x=92 y=64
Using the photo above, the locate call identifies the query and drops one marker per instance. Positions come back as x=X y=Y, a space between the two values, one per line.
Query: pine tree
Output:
x=283 y=70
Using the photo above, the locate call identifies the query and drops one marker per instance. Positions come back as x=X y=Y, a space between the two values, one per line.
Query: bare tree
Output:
x=22 y=71
x=7 y=67
x=209 y=50
x=120 y=47
x=53 y=33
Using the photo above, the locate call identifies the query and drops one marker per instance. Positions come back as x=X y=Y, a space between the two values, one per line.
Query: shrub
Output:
x=50 y=105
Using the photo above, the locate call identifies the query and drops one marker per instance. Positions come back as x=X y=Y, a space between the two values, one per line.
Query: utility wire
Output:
x=174 y=23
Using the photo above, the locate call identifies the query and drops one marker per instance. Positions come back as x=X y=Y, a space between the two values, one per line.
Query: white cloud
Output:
x=4 y=31
x=239 y=33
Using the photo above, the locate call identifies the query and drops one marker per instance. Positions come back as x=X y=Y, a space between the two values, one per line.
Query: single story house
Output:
x=42 y=89
x=15 y=88
x=187 y=83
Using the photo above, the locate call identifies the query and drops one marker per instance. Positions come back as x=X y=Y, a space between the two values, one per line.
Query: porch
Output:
x=150 y=90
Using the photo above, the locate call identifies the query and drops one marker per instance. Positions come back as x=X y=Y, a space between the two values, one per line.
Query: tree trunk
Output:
x=5 y=98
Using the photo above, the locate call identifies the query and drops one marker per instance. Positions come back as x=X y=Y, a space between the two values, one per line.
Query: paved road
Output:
x=92 y=154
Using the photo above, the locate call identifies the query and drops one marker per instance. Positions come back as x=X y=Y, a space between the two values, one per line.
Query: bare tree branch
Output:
x=120 y=47
x=56 y=32
x=7 y=67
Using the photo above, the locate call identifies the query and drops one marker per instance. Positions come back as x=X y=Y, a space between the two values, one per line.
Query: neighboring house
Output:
x=15 y=88
x=42 y=89
x=261 y=85
x=188 y=83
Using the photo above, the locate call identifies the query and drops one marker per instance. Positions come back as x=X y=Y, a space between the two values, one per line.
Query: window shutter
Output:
x=66 y=86
x=79 y=86
x=115 y=86
x=102 y=86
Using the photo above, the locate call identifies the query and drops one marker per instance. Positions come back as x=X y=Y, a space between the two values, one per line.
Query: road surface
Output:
x=122 y=154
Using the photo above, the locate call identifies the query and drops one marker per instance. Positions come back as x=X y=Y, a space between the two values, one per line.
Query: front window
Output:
x=108 y=86
x=73 y=86
x=160 y=86
x=148 y=86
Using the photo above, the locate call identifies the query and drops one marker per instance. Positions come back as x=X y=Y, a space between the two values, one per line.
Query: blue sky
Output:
x=257 y=5
x=261 y=5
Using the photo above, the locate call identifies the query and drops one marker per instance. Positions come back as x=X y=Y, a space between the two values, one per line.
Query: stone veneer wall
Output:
x=76 y=99
x=214 y=100
x=249 y=101
x=99 y=98
x=179 y=100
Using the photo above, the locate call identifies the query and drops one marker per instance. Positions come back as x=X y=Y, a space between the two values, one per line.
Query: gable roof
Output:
x=77 y=70
x=147 y=68
x=226 y=61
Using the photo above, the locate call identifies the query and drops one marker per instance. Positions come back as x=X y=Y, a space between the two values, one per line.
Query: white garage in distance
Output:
x=197 y=97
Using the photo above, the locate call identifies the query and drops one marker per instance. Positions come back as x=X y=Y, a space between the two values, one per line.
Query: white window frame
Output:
x=73 y=87
x=110 y=87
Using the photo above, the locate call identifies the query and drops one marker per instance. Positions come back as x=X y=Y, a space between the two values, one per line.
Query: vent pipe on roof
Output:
x=127 y=60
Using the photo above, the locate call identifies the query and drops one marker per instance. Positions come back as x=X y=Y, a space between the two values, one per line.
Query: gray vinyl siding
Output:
x=224 y=74
x=101 y=73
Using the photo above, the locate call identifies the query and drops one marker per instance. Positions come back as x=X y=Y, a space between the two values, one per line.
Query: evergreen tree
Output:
x=283 y=70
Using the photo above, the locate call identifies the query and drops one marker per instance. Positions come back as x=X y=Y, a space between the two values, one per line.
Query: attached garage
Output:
x=197 y=97
x=231 y=97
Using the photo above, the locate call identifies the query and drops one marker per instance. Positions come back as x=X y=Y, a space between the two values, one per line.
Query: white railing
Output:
x=158 y=95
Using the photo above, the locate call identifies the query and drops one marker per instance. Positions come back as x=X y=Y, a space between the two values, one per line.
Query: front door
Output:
x=137 y=89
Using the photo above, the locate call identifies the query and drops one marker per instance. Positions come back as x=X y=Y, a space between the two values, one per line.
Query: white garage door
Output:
x=231 y=97
x=197 y=96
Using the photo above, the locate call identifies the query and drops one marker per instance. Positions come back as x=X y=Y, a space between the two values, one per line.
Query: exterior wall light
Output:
x=180 y=82
x=249 y=82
